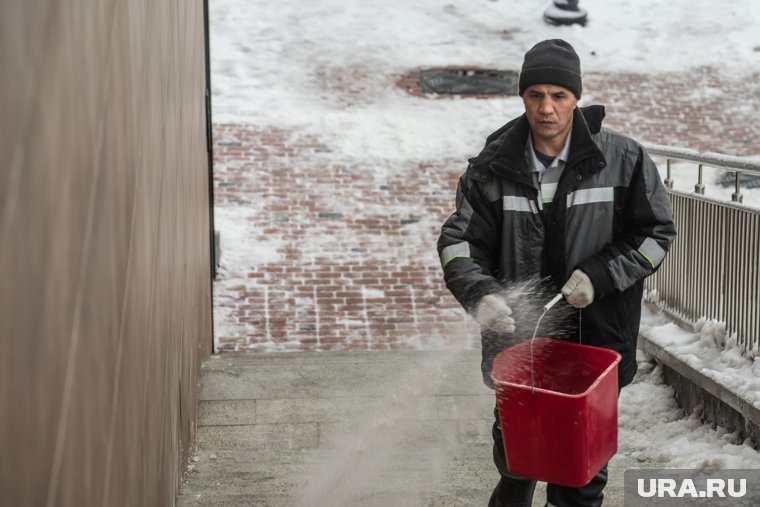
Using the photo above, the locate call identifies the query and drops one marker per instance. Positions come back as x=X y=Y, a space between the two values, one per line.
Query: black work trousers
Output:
x=515 y=491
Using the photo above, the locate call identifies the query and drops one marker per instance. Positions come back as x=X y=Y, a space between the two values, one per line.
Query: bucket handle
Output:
x=547 y=306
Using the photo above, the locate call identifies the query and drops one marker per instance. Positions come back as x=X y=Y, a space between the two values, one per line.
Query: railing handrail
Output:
x=719 y=160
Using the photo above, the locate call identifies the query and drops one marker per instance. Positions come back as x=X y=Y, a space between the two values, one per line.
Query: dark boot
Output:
x=590 y=495
x=511 y=492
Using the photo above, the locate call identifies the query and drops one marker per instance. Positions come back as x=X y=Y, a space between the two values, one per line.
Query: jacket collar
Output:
x=504 y=152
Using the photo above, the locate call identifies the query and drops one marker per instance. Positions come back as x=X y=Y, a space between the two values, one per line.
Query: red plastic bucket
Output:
x=563 y=429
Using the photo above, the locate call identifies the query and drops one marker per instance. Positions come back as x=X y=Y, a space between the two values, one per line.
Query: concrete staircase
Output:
x=386 y=428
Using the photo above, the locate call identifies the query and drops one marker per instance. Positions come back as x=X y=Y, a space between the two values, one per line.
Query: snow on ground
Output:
x=708 y=350
x=274 y=63
x=654 y=430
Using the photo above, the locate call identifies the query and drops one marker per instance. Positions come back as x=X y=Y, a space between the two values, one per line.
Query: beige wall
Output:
x=105 y=307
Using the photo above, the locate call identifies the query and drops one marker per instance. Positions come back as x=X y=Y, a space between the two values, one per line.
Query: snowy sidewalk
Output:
x=326 y=249
x=332 y=178
x=326 y=252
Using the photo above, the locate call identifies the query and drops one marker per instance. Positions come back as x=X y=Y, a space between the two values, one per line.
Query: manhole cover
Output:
x=469 y=81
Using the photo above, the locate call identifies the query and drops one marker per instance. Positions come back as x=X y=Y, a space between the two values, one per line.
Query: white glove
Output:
x=493 y=313
x=578 y=290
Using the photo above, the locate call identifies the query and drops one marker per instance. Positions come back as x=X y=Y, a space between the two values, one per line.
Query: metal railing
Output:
x=713 y=268
x=737 y=165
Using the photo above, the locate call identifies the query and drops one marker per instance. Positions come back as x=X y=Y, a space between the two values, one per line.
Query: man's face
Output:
x=549 y=109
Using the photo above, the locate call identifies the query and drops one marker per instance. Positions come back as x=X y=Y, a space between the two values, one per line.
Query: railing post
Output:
x=565 y=12
x=669 y=180
x=700 y=187
x=737 y=195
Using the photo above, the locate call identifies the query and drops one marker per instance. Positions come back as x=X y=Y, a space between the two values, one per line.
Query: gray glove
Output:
x=578 y=290
x=493 y=313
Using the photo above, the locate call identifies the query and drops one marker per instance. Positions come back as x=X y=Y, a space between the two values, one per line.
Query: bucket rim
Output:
x=617 y=357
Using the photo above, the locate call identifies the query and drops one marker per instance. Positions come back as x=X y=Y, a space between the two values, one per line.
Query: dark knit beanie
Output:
x=552 y=62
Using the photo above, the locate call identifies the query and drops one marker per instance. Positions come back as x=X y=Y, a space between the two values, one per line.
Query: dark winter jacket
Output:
x=610 y=217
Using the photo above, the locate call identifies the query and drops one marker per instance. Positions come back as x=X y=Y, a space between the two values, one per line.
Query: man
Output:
x=554 y=195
